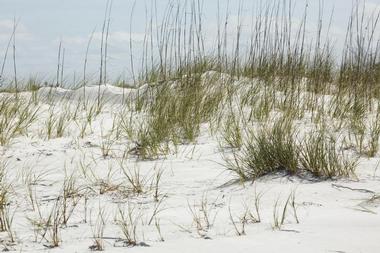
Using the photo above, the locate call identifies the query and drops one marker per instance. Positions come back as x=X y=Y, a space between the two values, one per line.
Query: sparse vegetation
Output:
x=98 y=232
x=16 y=116
x=128 y=221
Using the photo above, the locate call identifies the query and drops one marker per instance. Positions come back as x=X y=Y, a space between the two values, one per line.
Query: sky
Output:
x=43 y=24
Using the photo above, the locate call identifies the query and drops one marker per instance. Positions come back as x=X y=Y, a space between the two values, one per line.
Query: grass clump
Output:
x=267 y=151
x=231 y=132
x=174 y=112
x=16 y=116
x=319 y=156
x=277 y=149
x=374 y=134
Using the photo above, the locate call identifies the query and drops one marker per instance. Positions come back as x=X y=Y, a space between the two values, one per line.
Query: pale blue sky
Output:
x=44 y=22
